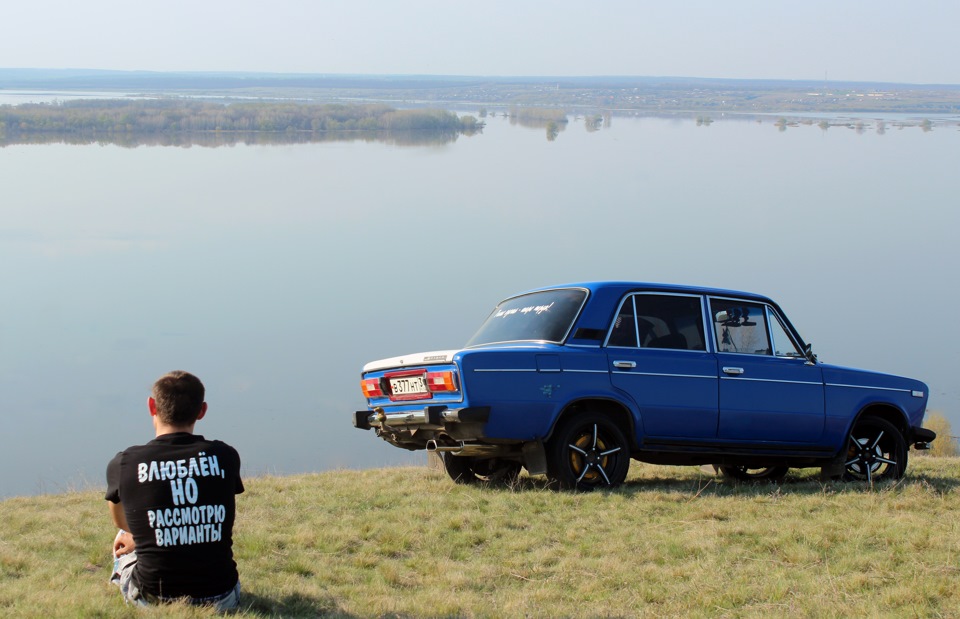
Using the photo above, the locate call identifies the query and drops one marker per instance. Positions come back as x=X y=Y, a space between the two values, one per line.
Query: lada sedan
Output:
x=574 y=381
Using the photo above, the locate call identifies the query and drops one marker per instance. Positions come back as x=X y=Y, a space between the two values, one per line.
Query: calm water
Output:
x=275 y=272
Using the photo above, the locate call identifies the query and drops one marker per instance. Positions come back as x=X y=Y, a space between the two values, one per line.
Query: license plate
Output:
x=407 y=386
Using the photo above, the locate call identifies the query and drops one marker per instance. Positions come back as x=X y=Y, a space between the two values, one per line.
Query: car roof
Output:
x=604 y=299
x=621 y=287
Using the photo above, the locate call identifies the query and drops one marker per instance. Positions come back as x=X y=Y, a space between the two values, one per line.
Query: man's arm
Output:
x=118 y=515
x=123 y=543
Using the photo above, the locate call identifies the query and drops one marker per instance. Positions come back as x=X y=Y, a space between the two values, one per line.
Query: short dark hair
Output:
x=179 y=398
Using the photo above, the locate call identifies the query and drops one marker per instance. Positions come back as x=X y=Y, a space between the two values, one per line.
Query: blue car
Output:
x=574 y=381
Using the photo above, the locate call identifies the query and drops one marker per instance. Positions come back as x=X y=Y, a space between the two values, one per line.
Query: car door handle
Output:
x=733 y=371
x=626 y=365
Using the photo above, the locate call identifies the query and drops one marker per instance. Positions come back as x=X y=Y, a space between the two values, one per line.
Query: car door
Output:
x=768 y=390
x=657 y=353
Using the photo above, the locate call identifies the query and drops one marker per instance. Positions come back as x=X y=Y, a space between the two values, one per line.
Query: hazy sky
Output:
x=849 y=40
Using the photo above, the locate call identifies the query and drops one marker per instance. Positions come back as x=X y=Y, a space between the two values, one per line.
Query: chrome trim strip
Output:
x=410 y=418
x=772 y=380
x=653 y=351
x=663 y=374
x=757 y=355
x=541 y=371
x=513 y=344
x=869 y=387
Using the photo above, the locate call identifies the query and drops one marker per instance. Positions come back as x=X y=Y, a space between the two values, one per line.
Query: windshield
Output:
x=544 y=316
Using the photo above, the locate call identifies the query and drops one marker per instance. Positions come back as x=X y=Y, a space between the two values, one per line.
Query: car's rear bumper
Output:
x=435 y=417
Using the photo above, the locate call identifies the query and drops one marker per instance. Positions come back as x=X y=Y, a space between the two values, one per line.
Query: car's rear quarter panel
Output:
x=527 y=388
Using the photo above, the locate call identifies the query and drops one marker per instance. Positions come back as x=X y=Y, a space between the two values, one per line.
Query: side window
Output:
x=783 y=344
x=740 y=326
x=624 y=330
x=669 y=321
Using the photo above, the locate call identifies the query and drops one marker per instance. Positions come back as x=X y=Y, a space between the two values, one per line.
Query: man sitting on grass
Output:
x=173 y=500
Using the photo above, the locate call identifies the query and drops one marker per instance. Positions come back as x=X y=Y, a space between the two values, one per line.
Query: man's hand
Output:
x=123 y=543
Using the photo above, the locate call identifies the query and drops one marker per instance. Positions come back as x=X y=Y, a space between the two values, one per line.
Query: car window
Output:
x=542 y=316
x=648 y=320
x=783 y=344
x=740 y=326
x=624 y=329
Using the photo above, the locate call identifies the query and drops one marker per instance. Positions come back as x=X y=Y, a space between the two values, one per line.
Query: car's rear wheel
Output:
x=773 y=474
x=470 y=470
x=876 y=451
x=587 y=452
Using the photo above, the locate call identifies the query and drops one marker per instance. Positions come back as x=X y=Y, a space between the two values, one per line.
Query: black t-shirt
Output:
x=178 y=494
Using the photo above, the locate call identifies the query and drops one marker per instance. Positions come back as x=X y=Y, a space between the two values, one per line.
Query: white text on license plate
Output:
x=408 y=385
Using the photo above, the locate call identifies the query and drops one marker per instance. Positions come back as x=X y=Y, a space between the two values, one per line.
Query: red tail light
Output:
x=439 y=382
x=371 y=388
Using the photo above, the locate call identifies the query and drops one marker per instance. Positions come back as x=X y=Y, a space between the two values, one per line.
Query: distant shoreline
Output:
x=600 y=93
x=174 y=121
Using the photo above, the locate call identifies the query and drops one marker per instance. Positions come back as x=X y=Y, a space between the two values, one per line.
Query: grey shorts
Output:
x=123 y=577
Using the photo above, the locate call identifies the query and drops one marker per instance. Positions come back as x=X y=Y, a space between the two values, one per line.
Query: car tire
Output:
x=774 y=474
x=470 y=470
x=587 y=452
x=876 y=451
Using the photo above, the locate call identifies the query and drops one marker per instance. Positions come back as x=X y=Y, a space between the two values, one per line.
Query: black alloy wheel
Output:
x=876 y=451
x=589 y=451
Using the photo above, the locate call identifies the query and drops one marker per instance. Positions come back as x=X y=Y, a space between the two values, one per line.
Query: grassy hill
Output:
x=407 y=542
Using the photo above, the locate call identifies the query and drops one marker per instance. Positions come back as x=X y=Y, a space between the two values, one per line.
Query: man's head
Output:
x=177 y=399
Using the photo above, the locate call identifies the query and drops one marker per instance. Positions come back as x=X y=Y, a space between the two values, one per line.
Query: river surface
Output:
x=274 y=272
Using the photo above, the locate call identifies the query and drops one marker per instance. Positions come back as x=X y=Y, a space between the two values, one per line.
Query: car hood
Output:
x=864 y=378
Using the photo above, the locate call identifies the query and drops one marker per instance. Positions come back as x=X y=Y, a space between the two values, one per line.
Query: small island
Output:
x=172 y=120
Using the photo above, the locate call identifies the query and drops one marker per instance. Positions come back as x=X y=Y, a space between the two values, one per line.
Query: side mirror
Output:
x=809 y=354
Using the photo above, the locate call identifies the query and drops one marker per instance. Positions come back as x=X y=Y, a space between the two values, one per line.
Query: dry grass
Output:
x=946 y=444
x=673 y=542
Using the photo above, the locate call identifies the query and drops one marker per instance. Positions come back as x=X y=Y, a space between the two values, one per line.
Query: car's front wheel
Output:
x=470 y=470
x=876 y=451
x=589 y=451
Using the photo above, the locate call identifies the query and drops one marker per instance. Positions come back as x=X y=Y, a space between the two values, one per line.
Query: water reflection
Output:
x=215 y=139
x=274 y=272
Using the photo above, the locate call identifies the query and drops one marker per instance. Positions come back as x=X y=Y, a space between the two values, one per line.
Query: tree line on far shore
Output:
x=175 y=116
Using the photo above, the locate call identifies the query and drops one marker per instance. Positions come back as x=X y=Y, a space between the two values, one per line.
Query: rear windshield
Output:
x=543 y=316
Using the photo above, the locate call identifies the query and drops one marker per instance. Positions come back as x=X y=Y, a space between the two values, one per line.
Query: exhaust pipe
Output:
x=466 y=450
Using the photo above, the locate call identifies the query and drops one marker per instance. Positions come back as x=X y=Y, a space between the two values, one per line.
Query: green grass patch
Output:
x=407 y=542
